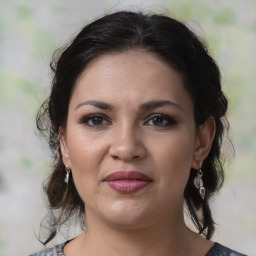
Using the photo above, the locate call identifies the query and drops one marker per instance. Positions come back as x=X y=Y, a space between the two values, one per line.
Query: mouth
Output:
x=127 y=182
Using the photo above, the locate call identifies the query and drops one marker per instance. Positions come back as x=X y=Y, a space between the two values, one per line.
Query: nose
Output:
x=127 y=144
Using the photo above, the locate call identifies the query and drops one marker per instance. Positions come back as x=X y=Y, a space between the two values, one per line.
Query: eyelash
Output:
x=87 y=119
x=103 y=118
x=169 y=120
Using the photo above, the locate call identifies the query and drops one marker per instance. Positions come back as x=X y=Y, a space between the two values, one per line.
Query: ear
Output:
x=64 y=148
x=203 y=143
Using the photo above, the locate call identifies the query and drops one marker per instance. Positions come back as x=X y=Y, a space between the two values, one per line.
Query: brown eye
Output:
x=160 y=120
x=95 y=120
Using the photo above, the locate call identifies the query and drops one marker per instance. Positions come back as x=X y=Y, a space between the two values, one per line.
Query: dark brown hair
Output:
x=180 y=48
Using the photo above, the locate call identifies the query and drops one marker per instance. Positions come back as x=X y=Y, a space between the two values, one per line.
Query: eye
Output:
x=95 y=120
x=160 y=120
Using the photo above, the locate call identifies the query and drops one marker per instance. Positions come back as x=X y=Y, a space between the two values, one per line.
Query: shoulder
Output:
x=220 y=250
x=57 y=250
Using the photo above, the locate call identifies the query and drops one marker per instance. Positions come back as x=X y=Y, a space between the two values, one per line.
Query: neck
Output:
x=157 y=239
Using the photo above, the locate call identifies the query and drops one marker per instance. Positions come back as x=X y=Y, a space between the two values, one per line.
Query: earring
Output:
x=67 y=175
x=198 y=182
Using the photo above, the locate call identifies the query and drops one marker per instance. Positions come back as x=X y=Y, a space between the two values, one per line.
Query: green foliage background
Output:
x=29 y=33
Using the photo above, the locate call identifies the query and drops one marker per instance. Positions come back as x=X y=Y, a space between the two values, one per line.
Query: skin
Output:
x=125 y=136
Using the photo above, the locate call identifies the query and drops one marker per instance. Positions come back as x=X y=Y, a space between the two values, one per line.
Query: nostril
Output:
x=126 y=158
x=127 y=149
x=115 y=157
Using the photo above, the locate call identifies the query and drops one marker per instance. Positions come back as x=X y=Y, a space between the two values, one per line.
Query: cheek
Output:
x=84 y=149
x=174 y=158
x=86 y=156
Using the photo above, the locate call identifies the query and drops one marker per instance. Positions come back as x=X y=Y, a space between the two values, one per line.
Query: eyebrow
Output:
x=98 y=104
x=156 y=104
x=145 y=106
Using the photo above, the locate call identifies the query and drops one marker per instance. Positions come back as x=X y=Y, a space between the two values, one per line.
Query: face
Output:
x=131 y=139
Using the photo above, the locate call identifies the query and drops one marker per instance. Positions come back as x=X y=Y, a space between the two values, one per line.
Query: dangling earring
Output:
x=198 y=182
x=67 y=175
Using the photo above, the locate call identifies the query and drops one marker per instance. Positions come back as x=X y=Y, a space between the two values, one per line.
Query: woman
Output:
x=135 y=120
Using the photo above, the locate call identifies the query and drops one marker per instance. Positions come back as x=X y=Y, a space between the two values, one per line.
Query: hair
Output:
x=176 y=45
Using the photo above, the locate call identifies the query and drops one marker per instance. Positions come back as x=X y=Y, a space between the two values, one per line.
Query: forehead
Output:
x=131 y=76
x=137 y=61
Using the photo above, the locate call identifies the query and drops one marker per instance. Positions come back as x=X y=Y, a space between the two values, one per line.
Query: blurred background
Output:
x=31 y=30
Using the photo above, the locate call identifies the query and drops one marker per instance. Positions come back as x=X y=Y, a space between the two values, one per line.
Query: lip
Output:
x=127 y=182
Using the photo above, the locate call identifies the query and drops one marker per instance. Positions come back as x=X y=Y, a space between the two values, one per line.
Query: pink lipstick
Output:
x=127 y=182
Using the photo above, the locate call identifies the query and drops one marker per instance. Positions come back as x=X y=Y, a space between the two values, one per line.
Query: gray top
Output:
x=216 y=250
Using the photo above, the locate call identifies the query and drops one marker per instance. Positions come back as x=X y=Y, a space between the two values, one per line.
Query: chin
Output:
x=127 y=215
